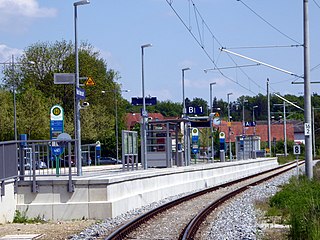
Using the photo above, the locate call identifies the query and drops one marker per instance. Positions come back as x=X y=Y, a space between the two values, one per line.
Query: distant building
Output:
x=261 y=129
x=133 y=118
x=294 y=128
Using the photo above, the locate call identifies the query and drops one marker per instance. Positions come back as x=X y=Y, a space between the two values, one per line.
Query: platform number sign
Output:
x=194 y=110
x=296 y=149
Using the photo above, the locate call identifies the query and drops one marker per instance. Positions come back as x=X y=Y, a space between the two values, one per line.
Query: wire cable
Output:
x=316 y=3
x=200 y=43
x=268 y=23
x=257 y=47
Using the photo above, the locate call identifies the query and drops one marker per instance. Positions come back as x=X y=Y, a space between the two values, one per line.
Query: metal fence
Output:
x=31 y=160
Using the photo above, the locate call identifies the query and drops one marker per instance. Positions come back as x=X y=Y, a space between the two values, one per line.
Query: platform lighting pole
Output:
x=285 y=129
x=243 y=122
x=229 y=127
x=14 y=86
x=76 y=100
x=211 y=122
x=253 y=119
x=116 y=117
x=269 y=118
x=144 y=113
x=184 y=115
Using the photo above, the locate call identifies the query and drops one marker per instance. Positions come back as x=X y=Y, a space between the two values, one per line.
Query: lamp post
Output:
x=184 y=115
x=14 y=86
x=243 y=123
x=254 y=129
x=211 y=127
x=144 y=113
x=229 y=127
x=284 y=127
x=76 y=100
x=183 y=99
x=116 y=117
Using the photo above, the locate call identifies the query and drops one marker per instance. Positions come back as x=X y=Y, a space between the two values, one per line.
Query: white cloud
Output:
x=7 y=52
x=25 y=8
x=17 y=15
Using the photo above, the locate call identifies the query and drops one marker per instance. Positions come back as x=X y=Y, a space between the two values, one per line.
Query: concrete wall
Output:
x=99 y=198
x=8 y=203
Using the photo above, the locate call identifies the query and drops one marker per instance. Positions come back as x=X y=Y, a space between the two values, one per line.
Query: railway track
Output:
x=189 y=212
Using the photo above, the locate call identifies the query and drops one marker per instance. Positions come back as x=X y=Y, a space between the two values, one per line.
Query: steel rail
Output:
x=129 y=227
x=190 y=231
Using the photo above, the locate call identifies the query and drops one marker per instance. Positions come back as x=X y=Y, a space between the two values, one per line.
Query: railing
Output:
x=31 y=160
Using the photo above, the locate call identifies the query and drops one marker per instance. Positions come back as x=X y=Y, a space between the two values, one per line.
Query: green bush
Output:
x=21 y=217
x=299 y=203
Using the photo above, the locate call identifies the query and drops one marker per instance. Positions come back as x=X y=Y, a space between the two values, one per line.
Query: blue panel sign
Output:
x=80 y=93
x=56 y=150
x=250 y=124
x=195 y=138
x=195 y=110
x=56 y=128
x=138 y=101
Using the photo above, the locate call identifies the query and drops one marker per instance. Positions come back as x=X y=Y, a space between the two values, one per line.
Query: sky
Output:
x=183 y=34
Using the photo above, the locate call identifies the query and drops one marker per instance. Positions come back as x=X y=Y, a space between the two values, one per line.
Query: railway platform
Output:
x=108 y=191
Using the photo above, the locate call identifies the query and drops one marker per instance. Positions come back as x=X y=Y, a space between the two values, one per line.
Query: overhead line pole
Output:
x=307 y=96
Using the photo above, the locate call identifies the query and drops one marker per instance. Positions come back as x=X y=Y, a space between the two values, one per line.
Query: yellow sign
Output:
x=229 y=124
x=217 y=114
x=90 y=82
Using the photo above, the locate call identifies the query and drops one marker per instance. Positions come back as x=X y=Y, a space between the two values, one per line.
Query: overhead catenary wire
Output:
x=200 y=41
x=268 y=23
x=170 y=2
x=271 y=46
x=201 y=44
x=317 y=4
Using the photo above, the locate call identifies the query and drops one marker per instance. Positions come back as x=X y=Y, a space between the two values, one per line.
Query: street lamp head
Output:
x=83 y=2
x=229 y=93
x=146 y=45
x=254 y=107
x=208 y=69
x=213 y=83
x=185 y=69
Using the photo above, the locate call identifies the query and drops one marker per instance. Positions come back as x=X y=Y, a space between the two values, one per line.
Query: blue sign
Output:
x=195 y=138
x=56 y=150
x=195 y=150
x=195 y=145
x=80 y=93
x=144 y=113
x=56 y=128
x=195 y=110
x=98 y=151
x=138 y=101
x=250 y=124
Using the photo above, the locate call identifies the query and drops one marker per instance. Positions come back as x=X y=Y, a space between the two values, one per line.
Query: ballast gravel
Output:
x=238 y=220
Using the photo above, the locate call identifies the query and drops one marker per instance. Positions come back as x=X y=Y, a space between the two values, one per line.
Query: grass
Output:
x=298 y=204
x=21 y=217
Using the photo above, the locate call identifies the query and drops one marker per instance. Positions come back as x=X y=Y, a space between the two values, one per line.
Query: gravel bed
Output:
x=237 y=221
x=106 y=226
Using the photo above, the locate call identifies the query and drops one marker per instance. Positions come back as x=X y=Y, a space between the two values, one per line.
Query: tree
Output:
x=33 y=111
x=38 y=93
x=6 y=115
